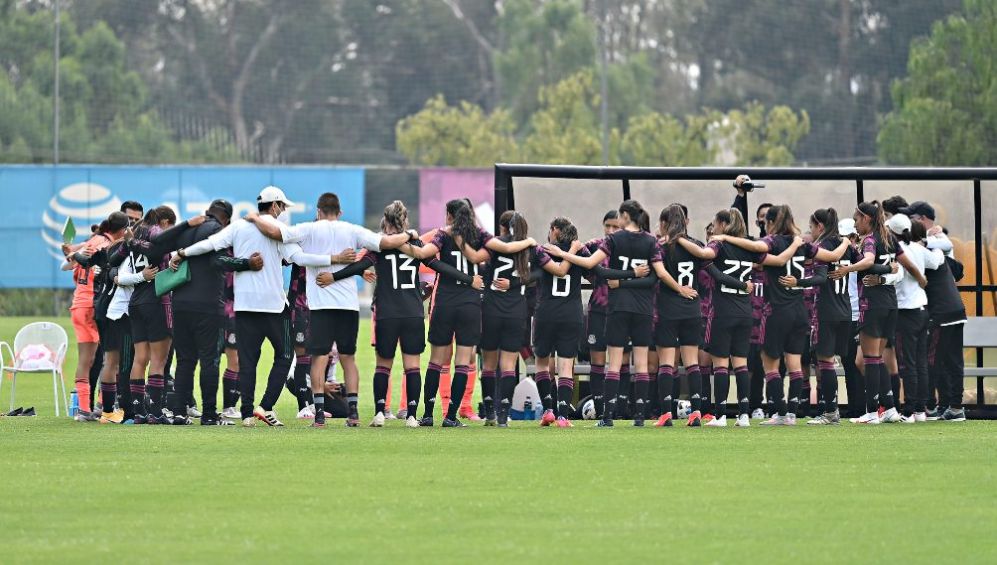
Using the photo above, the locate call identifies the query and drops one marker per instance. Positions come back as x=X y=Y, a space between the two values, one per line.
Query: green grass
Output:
x=483 y=495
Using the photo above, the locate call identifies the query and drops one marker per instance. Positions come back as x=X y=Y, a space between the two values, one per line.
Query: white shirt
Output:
x=853 y=295
x=328 y=237
x=910 y=295
x=127 y=278
x=263 y=290
x=941 y=242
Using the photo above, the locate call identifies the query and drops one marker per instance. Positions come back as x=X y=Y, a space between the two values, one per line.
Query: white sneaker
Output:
x=790 y=419
x=920 y=417
x=908 y=419
x=193 y=412
x=743 y=421
x=891 y=416
x=378 y=421
x=720 y=422
x=307 y=413
x=231 y=413
x=389 y=415
x=776 y=420
x=867 y=418
x=411 y=422
x=249 y=422
x=758 y=414
x=402 y=414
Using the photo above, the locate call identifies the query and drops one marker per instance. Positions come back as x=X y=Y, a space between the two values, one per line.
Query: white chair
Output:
x=54 y=338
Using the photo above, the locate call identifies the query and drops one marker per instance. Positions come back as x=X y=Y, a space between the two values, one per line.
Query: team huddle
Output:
x=875 y=293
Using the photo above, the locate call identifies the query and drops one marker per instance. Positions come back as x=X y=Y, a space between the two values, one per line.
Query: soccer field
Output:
x=480 y=495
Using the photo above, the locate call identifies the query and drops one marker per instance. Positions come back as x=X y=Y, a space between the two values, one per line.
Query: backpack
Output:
x=956 y=268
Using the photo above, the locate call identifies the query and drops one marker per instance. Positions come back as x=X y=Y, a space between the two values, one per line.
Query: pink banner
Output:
x=438 y=186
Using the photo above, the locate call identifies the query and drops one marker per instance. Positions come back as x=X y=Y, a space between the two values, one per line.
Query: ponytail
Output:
x=827 y=217
x=877 y=221
x=636 y=213
x=781 y=217
x=464 y=229
x=733 y=220
x=395 y=217
x=567 y=232
x=518 y=231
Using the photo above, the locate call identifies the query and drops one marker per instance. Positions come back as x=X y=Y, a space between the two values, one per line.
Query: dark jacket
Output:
x=206 y=280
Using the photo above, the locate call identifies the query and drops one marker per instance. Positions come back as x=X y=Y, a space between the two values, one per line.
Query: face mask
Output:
x=285 y=217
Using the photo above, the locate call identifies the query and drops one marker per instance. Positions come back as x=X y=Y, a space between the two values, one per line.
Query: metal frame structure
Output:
x=506 y=173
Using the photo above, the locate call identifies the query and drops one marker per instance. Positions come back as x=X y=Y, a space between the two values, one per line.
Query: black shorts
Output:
x=504 y=334
x=730 y=337
x=300 y=325
x=832 y=339
x=460 y=323
x=228 y=333
x=623 y=328
x=115 y=333
x=409 y=332
x=328 y=327
x=675 y=333
x=149 y=323
x=786 y=331
x=596 y=330
x=879 y=323
x=551 y=336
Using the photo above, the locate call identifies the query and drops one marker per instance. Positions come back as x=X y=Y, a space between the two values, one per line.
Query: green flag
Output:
x=68 y=231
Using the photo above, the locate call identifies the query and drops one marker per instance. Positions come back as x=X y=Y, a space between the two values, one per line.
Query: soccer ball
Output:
x=588 y=410
x=684 y=409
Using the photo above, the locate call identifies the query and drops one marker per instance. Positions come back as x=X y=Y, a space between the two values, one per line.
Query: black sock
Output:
x=544 y=388
x=230 y=388
x=666 y=376
x=695 y=387
x=156 y=388
x=507 y=385
x=642 y=382
x=430 y=389
x=743 y=379
x=302 y=387
x=885 y=388
x=828 y=385
x=872 y=365
x=488 y=391
x=623 y=393
x=704 y=390
x=319 y=401
x=108 y=392
x=795 y=391
x=137 y=391
x=351 y=401
x=773 y=389
x=413 y=384
x=565 y=390
x=721 y=384
x=381 y=376
x=457 y=387
x=597 y=383
x=612 y=387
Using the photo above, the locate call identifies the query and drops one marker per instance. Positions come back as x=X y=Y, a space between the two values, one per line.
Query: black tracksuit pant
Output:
x=252 y=328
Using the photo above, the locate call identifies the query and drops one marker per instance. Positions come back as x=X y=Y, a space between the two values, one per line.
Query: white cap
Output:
x=846 y=227
x=898 y=223
x=273 y=194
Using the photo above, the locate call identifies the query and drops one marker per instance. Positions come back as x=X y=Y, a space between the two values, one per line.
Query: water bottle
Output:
x=528 y=413
x=74 y=404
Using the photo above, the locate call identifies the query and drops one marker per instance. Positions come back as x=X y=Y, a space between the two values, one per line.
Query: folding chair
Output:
x=48 y=334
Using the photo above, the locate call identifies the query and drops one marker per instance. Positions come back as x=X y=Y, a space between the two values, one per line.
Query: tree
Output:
x=660 y=140
x=946 y=108
x=565 y=129
x=462 y=136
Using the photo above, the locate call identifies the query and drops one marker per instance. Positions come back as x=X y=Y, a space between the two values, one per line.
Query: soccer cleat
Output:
x=15 y=412
x=563 y=422
x=454 y=423
x=249 y=422
x=83 y=416
x=890 y=416
x=352 y=422
x=402 y=414
x=470 y=416
x=193 y=412
x=115 y=417
x=388 y=415
x=411 y=422
x=378 y=421
x=490 y=422
x=665 y=421
x=908 y=419
x=920 y=416
x=822 y=420
x=638 y=421
x=306 y=413
x=934 y=414
x=231 y=413
x=758 y=414
x=180 y=420
x=953 y=415
x=867 y=418
x=790 y=419
x=548 y=418
x=775 y=420
x=426 y=422
x=695 y=420
x=319 y=423
x=268 y=417
x=720 y=422
x=215 y=420
x=29 y=411
x=604 y=423
x=743 y=421
x=708 y=418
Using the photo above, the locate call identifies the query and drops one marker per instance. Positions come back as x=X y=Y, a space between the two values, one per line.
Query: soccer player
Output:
x=334 y=310
x=877 y=308
x=457 y=314
x=595 y=320
x=630 y=308
x=558 y=322
x=260 y=303
x=400 y=316
x=787 y=326
x=300 y=382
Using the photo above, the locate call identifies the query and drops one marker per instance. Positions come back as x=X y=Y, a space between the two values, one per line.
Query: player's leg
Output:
x=690 y=360
x=666 y=379
x=185 y=344
x=413 y=343
x=276 y=329
x=596 y=332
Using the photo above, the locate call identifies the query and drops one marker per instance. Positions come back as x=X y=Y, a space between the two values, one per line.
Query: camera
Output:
x=748 y=185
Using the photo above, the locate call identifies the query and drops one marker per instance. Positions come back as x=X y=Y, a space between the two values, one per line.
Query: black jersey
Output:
x=451 y=291
x=508 y=303
x=777 y=295
x=560 y=298
x=944 y=302
x=884 y=296
x=833 y=302
x=683 y=267
x=398 y=293
x=626 y=250
x=731 y=301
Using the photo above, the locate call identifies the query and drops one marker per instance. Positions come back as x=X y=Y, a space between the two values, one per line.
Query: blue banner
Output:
x=38 y=199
